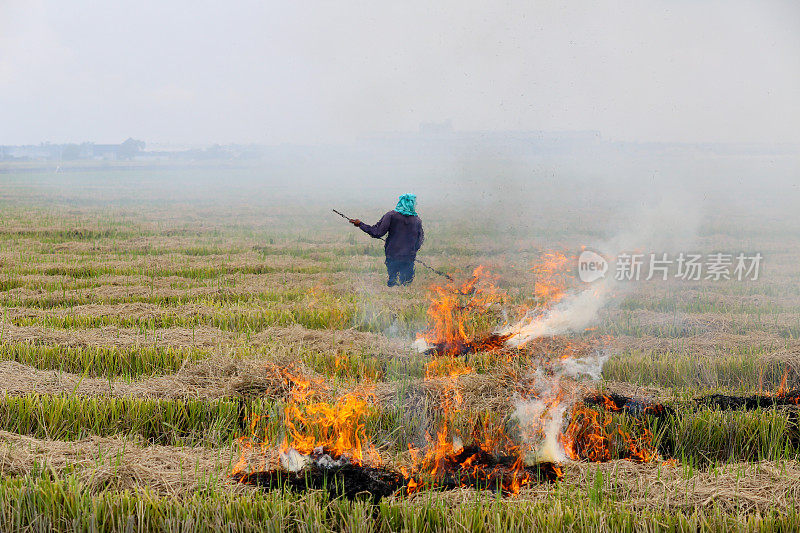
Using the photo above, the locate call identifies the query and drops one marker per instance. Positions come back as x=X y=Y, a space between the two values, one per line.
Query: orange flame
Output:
x=457 y=313
x=587 y=437
x=446 y=458
x=782 y=387
x=552 y=274
x=338 y=427
x=783 y=391
x=457 y=316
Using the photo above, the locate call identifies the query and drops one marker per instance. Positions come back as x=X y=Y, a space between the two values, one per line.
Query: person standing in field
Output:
x=404 y=239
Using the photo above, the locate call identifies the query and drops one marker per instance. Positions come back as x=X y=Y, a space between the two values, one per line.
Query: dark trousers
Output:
x=400 y=270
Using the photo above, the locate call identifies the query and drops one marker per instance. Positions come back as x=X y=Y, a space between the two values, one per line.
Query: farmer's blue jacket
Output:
x=405 y=235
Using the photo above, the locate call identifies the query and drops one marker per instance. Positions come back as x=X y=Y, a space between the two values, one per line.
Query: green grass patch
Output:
x=61 y=299
x=101 y=361
x=8 y=284
x=681 y=370
x=708 y=436
x=43 y=503
x=168 y=422
x=227 y=319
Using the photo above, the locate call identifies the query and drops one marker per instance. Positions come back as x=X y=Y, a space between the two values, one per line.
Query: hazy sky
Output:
x=196 y=71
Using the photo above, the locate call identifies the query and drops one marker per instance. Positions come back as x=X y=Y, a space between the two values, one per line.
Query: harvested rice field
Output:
x=183 y=364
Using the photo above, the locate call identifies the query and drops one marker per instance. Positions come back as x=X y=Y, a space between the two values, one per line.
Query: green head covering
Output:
x=406 y=205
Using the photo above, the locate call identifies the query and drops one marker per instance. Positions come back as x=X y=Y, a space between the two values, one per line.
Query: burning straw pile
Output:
x=326 y=444
x=322 y=440
x=457 y=312
x=459 y=315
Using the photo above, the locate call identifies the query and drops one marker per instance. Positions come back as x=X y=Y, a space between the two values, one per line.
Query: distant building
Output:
x=29 y=152
x=130 y=149
x=105 y=152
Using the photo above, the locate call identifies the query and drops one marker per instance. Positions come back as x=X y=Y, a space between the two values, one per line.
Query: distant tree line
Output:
x=126 y=150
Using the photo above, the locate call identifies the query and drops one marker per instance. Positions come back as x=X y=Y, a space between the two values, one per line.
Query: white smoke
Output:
x=541 y=417
x=293 y=461
x=574 y=314
x=591 y=367
x=540 y=424
x=666 y=227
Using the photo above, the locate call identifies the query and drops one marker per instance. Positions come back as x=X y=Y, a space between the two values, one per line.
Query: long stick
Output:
x=421 y=262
